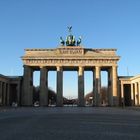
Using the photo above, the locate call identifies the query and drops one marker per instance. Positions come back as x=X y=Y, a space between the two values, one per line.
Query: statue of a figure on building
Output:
x=62 y=42
x=70 y=39
x=79 y=41
x=69 y=29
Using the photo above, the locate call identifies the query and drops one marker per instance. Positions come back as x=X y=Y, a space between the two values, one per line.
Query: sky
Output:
x=40 y=23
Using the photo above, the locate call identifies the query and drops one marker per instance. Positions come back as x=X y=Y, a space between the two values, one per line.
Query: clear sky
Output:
x=40 y=23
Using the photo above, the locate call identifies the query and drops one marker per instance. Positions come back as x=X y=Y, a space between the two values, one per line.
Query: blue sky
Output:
x=40 y=23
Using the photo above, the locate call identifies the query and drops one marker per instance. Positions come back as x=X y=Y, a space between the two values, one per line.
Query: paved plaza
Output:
x=69 y=123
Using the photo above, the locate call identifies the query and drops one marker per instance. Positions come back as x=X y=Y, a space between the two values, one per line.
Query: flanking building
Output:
x=10 y=90
x=129 y=90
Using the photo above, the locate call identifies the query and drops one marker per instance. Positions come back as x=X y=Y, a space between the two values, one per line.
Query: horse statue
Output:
x=79 y=41
x=62 y=42
x=70 y=40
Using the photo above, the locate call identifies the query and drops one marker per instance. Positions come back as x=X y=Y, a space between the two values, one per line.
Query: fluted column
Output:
x=59 y=99
x=94 y=91
x=0 y=93
x=139 y=92
x=18 y=93
x=27 y=94
x=8 y=94
x=81 y=101
x=122 y=95
x=4 y=93
x=132 y=95
x=136 y=93
x=97 y=90
x=114 y=86
x=43 y=87
x=110 y=96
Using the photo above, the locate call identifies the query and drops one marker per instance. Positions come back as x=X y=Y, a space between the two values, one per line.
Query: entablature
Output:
x=70 y=55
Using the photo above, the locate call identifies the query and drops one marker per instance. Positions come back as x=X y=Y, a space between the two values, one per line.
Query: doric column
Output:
x=97 y=90
x=18 y=93
x=27 y=94
x=94 y=91
x=59 y=99
x=8 y=94
x=132 y=95
x=114 y=86
x=0 y=93
x=122 y=95
x=4 y=93
x=139 y=92
x=43 y=87
x=136 y=94
x=110 y=96
x=81 y=101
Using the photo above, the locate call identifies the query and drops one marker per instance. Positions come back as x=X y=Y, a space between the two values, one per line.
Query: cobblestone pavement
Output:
x=70 y=123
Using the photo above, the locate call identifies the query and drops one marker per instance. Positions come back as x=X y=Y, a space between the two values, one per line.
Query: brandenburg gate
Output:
x=69 y=56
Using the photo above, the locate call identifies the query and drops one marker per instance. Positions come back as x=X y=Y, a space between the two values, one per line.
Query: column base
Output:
x=59 y=105
x=81 y=105
x=115 y=101
x=132 y=103
x=43 y=105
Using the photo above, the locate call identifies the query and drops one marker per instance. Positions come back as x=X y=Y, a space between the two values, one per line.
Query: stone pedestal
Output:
x=27 y=93
x=81 y=100
x=59 y=96
x=43 y=87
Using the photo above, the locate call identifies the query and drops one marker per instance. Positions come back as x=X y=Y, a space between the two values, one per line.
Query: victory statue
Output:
x=70 y=39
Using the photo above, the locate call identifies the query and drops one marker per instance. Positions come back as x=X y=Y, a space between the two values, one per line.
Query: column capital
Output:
x=97 y=71
x=25 y=66
x=114 y=66
x=59 y=68
x=41 y=67
x=81 y=70
x=97 y=66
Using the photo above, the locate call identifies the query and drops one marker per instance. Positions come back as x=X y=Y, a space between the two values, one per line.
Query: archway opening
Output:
x=36 y=86
x=52 y=88
x=104 y=88
x=70 y=88
x=13 y=94
x=127 y=94
x=88 y=78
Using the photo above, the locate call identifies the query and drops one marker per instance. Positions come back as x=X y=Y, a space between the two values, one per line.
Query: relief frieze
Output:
x=68 y=62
